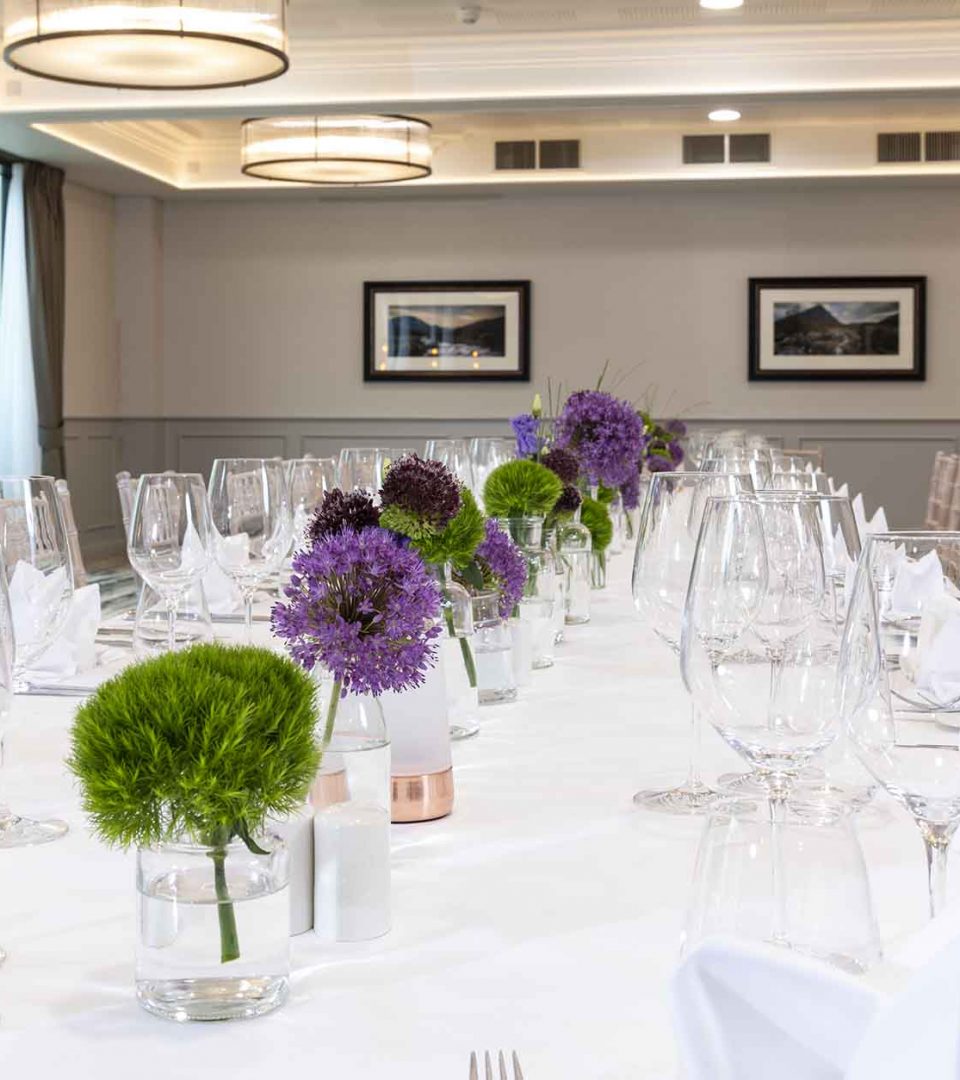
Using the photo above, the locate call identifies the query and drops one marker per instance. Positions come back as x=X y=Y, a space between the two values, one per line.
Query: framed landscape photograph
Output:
x=435 y=331
x=838 y=328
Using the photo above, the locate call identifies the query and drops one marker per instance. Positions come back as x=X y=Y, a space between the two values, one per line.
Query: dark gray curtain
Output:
x=43 y=202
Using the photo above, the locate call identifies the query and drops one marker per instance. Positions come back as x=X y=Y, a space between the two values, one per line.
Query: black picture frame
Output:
x=908 y=332
x=515 y=329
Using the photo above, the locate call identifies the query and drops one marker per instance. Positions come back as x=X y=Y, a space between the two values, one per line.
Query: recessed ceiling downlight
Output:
x=337 y=149
x=147 y=44
x=723 y=116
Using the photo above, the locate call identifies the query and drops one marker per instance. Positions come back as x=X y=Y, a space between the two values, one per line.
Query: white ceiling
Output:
x=572 y=68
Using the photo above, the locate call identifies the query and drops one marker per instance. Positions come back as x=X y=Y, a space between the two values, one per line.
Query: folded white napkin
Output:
x=223 y=595
x=917 y=582
x=232 y=550
x=32 y=595
x=934 y=665
x=74 y=649
x=876 y=524
x=843 y=490
x=748 y=1011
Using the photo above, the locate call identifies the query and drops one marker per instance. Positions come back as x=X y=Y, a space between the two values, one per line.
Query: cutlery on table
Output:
x=488 y=1067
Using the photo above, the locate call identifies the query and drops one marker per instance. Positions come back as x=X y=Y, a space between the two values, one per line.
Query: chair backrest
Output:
x=73 y=536
x=940 y=498
x=812 y=454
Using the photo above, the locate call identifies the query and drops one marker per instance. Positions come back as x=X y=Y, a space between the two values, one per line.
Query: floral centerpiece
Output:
x=194 y=749
x=361 y=602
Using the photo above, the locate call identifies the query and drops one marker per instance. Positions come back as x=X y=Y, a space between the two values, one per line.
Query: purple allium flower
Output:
x=677 y=428
x=365 y=607
x=501 y=560
x=342 y=510
x=526 y=427
x=563 y=462
x=569 y=501
x=675 y=450
x=630 y=491
x=658 y=463
x=425 y=490
x=604 y=432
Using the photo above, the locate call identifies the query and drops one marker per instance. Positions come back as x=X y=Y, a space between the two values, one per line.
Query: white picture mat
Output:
x=902 y=361
x=508 y=300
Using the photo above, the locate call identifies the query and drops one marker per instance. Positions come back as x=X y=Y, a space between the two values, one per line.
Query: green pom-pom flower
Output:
x=521 y=489
x=594 y=515
x=203 y=743
x=457 y=543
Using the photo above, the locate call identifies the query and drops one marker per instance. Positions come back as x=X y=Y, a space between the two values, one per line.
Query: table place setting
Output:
x=371 y=743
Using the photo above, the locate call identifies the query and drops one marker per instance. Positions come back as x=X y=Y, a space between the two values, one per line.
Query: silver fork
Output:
x=488 y=1067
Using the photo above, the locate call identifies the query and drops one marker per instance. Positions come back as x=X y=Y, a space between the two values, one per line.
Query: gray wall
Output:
x=889 y=461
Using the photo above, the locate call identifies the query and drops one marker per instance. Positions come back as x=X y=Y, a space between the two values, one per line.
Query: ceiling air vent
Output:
x=942 y=145
x=898 y=146
x=516 y=155
x=749 y=148
x=703 y=149
x=560 y=154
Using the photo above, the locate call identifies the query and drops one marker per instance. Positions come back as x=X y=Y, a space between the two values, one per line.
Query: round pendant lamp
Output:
x=147 y=44
x=337 y=149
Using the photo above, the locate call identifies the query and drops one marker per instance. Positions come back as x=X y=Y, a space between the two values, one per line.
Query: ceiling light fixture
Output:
x=721 y=5
x=723 y=116
x=337 y=149
x=147 y=44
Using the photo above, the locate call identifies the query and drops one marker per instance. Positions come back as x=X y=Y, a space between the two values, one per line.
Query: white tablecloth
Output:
x=543 y=915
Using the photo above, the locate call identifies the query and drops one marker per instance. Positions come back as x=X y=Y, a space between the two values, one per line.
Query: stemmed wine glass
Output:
x=486 y=453
x=36 y=554
x=900 y=682
x=169 y=540
x=667 y=537
x=455 y=455
x=252 y=523
x=759 y=646
x=308 y=480
x=358 y=468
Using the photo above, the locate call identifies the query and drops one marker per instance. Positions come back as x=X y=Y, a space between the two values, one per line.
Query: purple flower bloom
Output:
x=675 y=451
x=339 y=510
x=676 y=428
x=365 y=607
x=526 y=427
x=427 y=490
x=563 y=462
x=630 y=491
x=604 y=432
x=569 y=501
x=658 y=463
x=501 y=560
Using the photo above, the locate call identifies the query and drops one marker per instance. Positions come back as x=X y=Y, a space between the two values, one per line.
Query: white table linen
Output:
x=543 y=915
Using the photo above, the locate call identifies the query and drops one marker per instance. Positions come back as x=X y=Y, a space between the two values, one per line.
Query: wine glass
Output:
x=486 y=453
x=358 y=469
x=755 y=463
x=36 y=556
x=453 y=453
x=900 y=682
x=387 y=455
x=308 y=479
x=252 y=523
x=666 y=540
x=799 y=481
x=15 y=831
x=169 y=538
x=759 y=648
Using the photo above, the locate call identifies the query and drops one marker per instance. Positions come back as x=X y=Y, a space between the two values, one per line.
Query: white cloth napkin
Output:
x=843 y=490
x=747 y=1011
x=934 y=665
x=876 y=524
x=223 y=595
x=917 y=583
x=32 y=593
x=74 y=649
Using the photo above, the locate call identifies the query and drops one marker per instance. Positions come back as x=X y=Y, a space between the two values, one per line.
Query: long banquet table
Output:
x=543 y=915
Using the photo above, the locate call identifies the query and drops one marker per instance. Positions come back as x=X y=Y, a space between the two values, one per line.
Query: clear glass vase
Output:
x=351 y=826
x=598 y=570
x=461 y=665
x=576 y=557
x=540 y=590
x=493 y=648
x=213 y=930
x=560 y=585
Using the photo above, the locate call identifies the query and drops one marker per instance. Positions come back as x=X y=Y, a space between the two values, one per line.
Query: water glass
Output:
x=493 y=648
x=455 y=454
x=828 y=910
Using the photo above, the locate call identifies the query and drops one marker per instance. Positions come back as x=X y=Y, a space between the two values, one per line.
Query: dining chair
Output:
x=940 y=495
